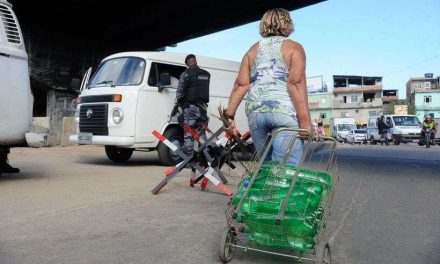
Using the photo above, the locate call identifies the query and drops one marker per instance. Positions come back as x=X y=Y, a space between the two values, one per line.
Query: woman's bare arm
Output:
x=242 y=83
x=297 y=84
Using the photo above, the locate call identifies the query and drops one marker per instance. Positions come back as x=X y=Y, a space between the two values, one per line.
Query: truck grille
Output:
x=93 y=119
x=11 y=28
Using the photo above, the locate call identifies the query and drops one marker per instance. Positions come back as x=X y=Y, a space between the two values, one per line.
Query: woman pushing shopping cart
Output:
x=280 y=208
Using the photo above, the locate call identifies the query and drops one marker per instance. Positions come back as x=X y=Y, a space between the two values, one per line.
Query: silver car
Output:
x=357 y=136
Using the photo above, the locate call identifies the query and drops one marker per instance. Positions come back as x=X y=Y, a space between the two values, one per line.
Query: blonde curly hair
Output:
x=276 y=22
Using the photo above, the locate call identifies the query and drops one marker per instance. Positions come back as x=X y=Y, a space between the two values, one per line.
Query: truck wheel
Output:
x=118 y=154
x=372 y=141
x=166 y=156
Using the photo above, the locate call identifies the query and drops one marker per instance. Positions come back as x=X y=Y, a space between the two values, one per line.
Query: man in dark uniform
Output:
x=193 y=96
x=383 y=130
x=4 y=165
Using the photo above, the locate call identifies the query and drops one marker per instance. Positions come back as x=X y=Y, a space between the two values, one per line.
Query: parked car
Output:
x=357 y=136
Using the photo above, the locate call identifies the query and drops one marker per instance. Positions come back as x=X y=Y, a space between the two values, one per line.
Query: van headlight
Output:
x=77 y=117
x=118 y=116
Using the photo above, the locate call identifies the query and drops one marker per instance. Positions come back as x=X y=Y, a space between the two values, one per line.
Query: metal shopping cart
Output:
x=282 y=208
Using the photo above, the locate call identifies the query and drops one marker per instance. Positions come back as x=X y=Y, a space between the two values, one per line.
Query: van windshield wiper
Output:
x=107 y=82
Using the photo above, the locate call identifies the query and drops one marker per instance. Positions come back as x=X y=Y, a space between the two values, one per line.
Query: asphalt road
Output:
x=72 y=205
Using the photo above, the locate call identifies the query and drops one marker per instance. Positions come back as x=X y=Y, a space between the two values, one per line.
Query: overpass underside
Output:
x=64 y=38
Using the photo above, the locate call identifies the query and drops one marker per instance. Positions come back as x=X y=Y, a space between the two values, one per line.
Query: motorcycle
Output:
x=427 y=138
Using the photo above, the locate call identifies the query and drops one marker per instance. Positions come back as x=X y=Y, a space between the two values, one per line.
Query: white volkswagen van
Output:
x=404 y=128
x=133 y=93
x=15 y=92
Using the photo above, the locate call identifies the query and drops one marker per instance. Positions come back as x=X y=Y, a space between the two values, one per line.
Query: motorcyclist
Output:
x=428 y=123
x=383 y=129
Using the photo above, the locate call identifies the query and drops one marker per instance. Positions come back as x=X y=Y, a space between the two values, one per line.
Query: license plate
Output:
x=85 y=138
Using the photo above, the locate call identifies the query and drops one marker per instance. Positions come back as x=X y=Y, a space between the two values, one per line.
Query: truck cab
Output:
x=341 y=126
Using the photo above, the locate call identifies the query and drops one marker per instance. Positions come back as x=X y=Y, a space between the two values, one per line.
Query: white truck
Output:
x=16 y=98
x=403 y=128
x=341 y=126
x=132 y=93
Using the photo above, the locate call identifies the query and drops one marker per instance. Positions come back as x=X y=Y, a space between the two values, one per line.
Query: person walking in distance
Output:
x=272 y=74
x=193 y=96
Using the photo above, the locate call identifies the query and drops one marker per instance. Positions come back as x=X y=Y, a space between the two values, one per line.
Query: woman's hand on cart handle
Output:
x=306 y=135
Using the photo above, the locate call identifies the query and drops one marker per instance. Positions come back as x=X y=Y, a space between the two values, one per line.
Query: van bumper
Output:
x=105 y=140
x=404 y=138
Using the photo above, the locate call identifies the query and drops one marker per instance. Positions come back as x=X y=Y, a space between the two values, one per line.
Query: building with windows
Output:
x=423 y=94
x=422 y=84
x=426 y=103
x=357 y=96
x=320 y=105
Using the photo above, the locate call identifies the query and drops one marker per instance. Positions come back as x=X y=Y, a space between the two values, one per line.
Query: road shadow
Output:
x=23 y=175
x=133 y=162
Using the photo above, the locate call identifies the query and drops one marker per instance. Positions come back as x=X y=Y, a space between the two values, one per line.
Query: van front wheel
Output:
x=166 y=156
x=118 y=154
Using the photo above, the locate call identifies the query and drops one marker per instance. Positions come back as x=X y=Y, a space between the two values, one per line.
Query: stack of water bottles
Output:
x=304 y=211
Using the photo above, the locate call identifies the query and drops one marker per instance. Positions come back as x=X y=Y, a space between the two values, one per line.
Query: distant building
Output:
x=392 y=104
x=357 y=96
x=390 y=96
x=421 y=84
x=423 y=94
x=320 y=105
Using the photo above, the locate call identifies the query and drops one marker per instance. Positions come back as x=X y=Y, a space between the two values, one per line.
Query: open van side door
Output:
x=85 y=79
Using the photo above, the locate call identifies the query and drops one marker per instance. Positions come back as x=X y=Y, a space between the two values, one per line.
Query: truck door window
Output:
x=389 y=122
x=158 y=68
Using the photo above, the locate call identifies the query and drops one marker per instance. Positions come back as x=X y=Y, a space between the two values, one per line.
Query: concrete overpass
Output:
x=64 y=38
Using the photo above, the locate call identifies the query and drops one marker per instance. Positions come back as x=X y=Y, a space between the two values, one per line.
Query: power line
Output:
x=412 y=66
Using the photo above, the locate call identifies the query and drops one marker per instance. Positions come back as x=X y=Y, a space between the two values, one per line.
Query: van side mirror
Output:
x=164 y=80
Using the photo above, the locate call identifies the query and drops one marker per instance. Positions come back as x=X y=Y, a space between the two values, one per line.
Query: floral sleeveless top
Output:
x=268 y=91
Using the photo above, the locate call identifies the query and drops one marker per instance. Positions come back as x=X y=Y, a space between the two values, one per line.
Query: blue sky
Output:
x=396 y=39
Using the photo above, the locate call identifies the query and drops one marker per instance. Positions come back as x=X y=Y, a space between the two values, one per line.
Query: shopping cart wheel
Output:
x=227 y=242
x=323 y=255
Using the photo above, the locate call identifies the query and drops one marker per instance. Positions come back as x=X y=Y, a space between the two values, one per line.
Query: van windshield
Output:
x=406 y=121
x=346 y=127
x=119 y=71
